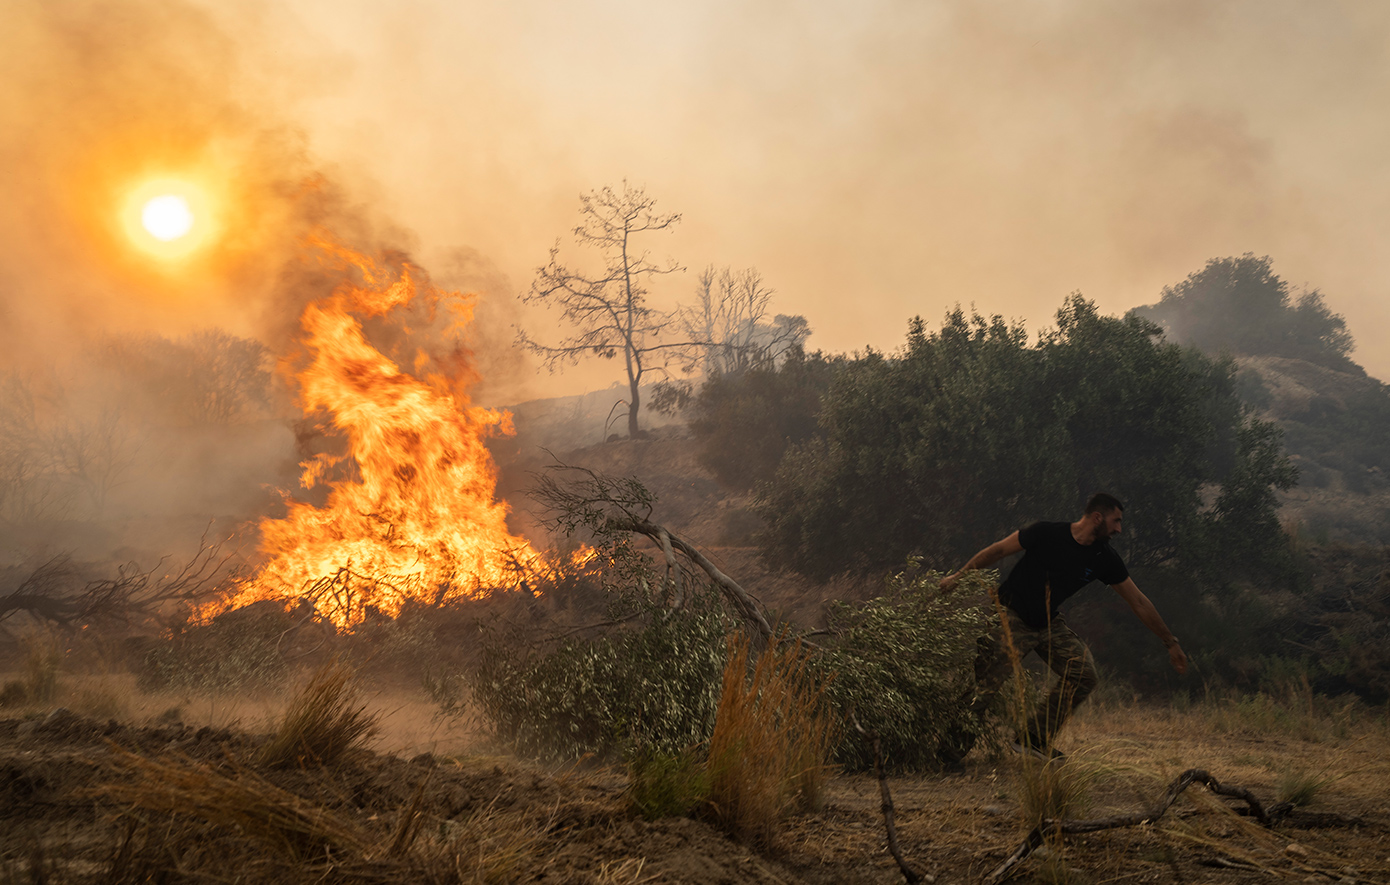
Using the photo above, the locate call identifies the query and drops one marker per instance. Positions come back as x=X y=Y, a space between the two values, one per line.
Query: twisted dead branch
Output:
x=1051 y=826
x=606 y=506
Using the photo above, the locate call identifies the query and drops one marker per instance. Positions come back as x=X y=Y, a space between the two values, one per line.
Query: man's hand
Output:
x=984 y=559
x=1178 y=658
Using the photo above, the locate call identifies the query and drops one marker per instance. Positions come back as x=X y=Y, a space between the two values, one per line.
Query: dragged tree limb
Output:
x=735 y=594
x=1192 y=776
x=886 y=806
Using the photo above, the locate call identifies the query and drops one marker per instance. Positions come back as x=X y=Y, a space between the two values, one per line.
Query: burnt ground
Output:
x=83 y=800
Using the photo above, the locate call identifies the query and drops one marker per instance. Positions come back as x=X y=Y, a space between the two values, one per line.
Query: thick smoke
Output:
x=142 y=400
x=881 y=159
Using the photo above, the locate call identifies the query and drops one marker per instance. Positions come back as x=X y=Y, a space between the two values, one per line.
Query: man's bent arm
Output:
x=985 y=558
x=1151 y=618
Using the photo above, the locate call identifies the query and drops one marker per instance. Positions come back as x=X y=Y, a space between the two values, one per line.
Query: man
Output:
x=1059 y=559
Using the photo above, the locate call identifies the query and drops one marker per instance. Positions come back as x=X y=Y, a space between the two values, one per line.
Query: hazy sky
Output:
x=874 y=160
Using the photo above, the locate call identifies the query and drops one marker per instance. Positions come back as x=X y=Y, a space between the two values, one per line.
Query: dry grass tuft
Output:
x=1302 y=787
x=323 y=721
x=487 y=848
x=1057 y=788
x=288 y=826
x=771 y=743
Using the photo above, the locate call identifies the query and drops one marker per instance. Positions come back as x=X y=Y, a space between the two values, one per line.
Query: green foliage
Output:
x=667 y=785
x=903 y=663
x=939 y=446
x=971 y=432
x=654 y=685
x=745 y=421
x=1241 y=306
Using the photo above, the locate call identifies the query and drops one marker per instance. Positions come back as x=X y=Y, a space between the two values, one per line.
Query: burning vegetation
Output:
x=410 y=512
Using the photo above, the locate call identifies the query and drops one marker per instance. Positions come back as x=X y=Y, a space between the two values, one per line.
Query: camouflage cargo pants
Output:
x=1063 y=652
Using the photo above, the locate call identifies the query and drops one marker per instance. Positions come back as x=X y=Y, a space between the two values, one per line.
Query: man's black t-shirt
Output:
x=1053 y=568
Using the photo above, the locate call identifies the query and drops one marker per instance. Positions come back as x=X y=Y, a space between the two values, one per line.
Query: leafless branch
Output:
x=911 y=875
x=1192 y=776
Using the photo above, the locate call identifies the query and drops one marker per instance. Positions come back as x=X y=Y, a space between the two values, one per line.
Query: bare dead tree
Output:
x=31 y=487
x=606 y=506
x=94 y=452
x=732 y=318
x=608 y=310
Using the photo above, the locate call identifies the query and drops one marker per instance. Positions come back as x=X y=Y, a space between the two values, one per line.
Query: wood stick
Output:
x=1192 y=776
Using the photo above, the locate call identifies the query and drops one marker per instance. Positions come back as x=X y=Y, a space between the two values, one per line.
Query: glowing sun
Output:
x=167 y=217
x=170 y=219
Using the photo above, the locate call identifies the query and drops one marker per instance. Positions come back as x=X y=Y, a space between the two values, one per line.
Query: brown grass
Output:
x=234 y=819
x=288 y=826
x=771 y=743
x=323 y=721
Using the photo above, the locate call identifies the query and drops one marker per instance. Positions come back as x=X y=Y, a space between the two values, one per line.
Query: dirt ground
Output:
x=84 y=799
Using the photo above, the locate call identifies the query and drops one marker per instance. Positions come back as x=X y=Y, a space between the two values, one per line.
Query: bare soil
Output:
x=79 y=803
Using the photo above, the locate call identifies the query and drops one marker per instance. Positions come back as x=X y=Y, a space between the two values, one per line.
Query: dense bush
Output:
x=972 y=432
x=654 y=686
x=903 y=665
x=744 y=422
x=1239 y=305
x=237 y=650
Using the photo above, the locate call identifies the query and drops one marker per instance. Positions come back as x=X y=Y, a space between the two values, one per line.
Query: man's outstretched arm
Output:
x=1151 y=618
x=985 y=558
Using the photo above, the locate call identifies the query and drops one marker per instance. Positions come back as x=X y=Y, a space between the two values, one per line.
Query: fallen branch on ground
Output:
x=1192 y=776
x=911 y=875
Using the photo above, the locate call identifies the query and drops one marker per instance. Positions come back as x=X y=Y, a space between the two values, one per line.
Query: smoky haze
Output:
x=881 y=159
x=874 y=160
x=143 y=399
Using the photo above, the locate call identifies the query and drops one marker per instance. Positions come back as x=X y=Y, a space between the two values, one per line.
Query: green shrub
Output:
x=667 y=785
x=904 y=664
x=655 y=685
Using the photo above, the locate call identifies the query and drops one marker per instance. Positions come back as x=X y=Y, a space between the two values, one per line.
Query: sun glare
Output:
x=170 y=219
x=167 y=217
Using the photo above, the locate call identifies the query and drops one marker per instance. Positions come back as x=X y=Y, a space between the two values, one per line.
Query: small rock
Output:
x=1293 y=849
x=995 y=810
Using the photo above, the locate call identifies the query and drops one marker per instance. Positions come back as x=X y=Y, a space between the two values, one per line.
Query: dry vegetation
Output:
x=88 y=799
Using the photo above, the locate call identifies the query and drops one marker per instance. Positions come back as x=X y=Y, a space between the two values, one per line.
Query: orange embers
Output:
x=412 y=513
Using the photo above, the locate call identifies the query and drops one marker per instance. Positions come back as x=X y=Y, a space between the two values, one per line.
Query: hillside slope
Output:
x=1337 y=431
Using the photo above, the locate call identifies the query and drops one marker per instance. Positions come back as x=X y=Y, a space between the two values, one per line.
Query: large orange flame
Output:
x=416 y=518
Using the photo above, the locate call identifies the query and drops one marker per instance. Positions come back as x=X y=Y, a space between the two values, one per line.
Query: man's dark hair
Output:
x=1100 y=502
